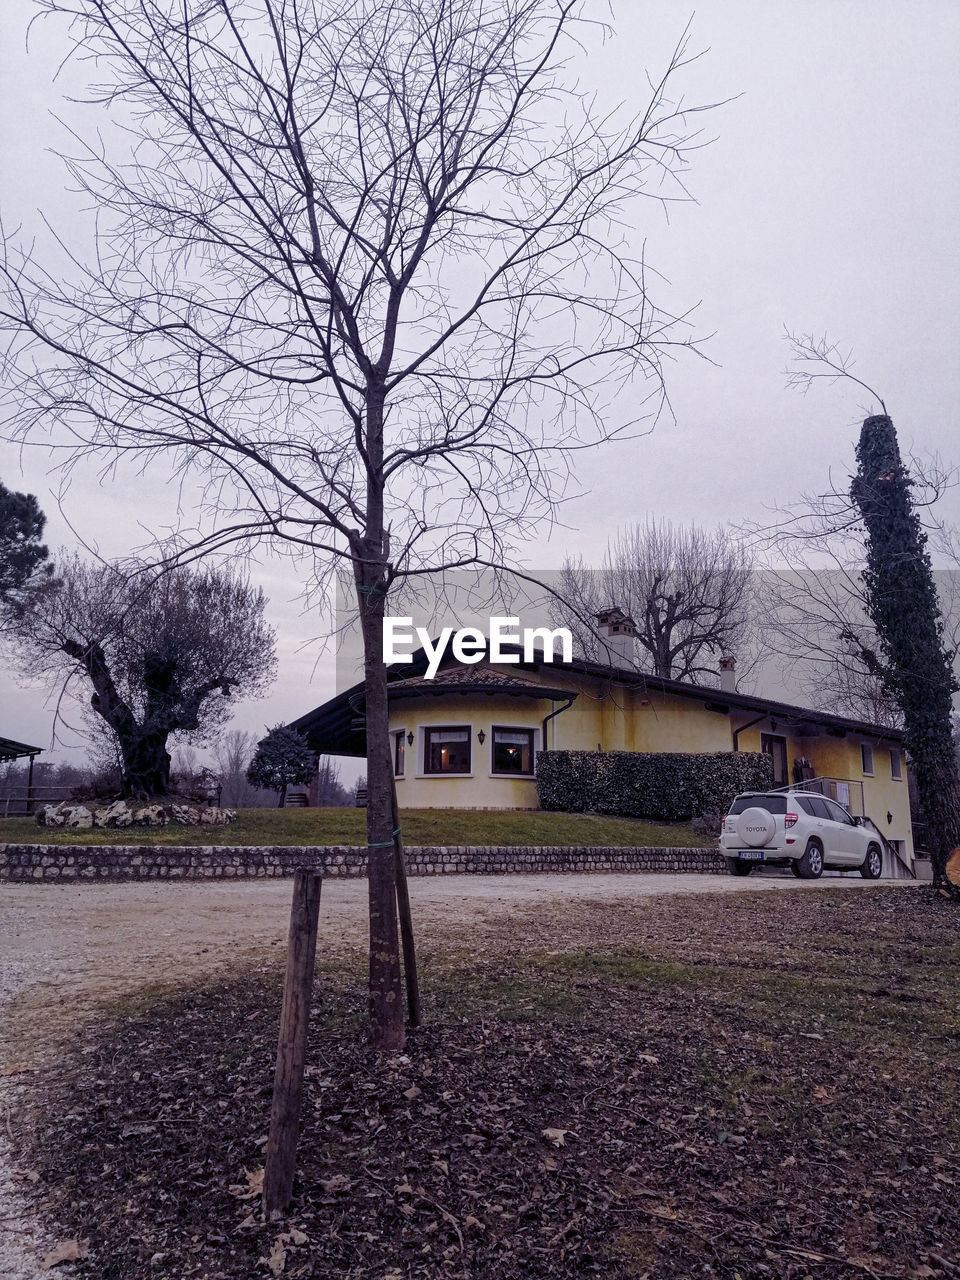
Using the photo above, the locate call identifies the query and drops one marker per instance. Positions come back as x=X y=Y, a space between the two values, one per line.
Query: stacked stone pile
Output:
x=121 y=813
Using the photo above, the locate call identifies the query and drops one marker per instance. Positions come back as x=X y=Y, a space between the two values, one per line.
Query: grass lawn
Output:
x=346 y=827
x=764 y=1085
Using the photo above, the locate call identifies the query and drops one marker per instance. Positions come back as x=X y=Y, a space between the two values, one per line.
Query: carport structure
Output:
x=12 y=750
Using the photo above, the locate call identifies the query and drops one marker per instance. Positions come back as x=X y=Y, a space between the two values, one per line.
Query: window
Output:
x=815 y=806
x=399 y=752
x=776 y=748
x=896 y=764
x=446 y=750
x=512 y=751
x=866 y=759
x=772 y=804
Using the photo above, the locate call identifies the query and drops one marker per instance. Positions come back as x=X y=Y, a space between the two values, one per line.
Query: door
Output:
x=776 y=748
x=846 y=838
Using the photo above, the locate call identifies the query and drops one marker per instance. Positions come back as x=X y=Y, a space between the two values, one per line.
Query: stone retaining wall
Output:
x=33 y=862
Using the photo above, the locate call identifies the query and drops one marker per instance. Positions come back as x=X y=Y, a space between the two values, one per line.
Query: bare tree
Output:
x=233 y=752
x=366 y=277
x=162 y=652
x=330 y=790
x=687 y=589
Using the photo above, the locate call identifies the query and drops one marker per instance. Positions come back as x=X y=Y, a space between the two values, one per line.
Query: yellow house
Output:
x=468 y=738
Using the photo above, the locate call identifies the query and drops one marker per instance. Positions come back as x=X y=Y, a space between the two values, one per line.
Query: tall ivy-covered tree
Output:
x=21 y=528
x=901 y=598
x=282 y=759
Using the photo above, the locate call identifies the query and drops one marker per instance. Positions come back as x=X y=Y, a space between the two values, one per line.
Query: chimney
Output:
x=728 y=673
x=619 y=633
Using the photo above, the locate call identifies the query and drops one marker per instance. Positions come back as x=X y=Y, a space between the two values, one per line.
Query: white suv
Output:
x=799 y=829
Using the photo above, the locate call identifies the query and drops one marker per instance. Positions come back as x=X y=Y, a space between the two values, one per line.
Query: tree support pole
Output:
x=281 y=1157
x=410 y=973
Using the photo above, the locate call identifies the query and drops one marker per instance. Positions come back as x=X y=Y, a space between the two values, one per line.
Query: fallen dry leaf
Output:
x=254 y=1185
x=65 y=1251
x=278 y=1257
x=556 y=1136
x=339 y=1182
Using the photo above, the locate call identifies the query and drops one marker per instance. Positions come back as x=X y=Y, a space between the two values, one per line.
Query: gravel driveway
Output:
x=66 y=950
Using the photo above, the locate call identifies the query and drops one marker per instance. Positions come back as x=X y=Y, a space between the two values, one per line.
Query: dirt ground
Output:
x=66 y=950
x=728 y=1081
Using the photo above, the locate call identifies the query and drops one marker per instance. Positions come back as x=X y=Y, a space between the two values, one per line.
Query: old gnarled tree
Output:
x=159 y=653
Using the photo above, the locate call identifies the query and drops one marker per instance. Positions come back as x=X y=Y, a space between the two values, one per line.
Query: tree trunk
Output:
x=146 y=765
x=386 y=1006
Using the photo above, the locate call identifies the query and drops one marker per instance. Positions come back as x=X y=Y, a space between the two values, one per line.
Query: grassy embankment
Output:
x=450 y=827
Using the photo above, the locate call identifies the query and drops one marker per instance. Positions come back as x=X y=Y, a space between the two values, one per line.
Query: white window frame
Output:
x=425 y=730
x=865 y=750
x=514 y=728
x=896 y=757
x=402 y=735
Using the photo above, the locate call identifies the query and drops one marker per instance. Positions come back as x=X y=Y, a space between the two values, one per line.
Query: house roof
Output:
x=11 y=750
x=336 y=727
x=462 y=679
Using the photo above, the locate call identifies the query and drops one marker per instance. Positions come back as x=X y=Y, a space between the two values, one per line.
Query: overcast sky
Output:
x=826 y=202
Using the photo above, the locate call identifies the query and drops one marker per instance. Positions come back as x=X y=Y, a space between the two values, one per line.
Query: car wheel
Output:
x=810 y=866
x=738 y=867
x=795 y=867
x=872 y=865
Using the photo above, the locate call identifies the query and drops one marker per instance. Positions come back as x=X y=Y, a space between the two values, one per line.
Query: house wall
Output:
x=481 y=788
x=617 y=718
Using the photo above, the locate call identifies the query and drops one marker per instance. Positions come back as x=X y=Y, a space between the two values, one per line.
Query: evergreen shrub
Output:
x=670 y=786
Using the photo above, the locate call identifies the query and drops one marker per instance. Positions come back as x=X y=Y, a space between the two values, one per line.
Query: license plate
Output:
x=750 y=855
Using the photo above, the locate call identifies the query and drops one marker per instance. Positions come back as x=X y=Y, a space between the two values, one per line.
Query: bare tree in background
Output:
x=688 y=590
x=233 y=752
x=363 y=279
x=330 y=791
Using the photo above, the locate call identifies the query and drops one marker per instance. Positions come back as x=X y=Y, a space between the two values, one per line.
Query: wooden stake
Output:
x=411 y=976
x=281 y=1155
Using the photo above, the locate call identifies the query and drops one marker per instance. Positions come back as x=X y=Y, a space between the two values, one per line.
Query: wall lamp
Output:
x=410 y=738
x=481 y=737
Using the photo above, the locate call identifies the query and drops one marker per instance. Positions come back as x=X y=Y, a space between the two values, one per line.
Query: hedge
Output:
x=669 y=786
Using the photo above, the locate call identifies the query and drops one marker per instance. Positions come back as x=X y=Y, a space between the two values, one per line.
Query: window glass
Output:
x=446 y=750
x=806 y=804
x=866 y=758
x=512 y=751
x=772 y=804
x=819 y=806
x=896 y=765
x=399 y=753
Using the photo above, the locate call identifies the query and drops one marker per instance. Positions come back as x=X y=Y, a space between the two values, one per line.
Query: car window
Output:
x=837 y=812
x=814 y=805
x=772 y=804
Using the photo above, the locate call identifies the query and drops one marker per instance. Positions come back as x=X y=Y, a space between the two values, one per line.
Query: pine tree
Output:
x=21 y=528
x=901 y=599
x=282 y=759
